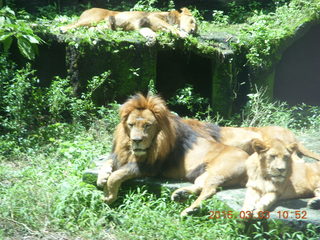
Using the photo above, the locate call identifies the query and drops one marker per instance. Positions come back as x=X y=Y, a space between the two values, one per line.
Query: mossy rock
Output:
x=293 y=212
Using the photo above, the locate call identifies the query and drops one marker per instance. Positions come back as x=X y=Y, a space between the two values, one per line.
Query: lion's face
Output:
x=187 y=21
x=142 y=129
x=275 y=158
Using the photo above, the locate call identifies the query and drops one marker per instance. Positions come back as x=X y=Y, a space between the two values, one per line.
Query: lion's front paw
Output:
x=63 y=29
x=109 y=199
x=183 y=34
x=179 y=195
x=314 y=203
x=102 y=178
x=151 y=42
x=188 y=211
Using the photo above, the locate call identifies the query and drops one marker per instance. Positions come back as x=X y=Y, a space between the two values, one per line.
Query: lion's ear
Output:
x=292 y=147
x=185 y=11
x=259 y=146
x=173 y=17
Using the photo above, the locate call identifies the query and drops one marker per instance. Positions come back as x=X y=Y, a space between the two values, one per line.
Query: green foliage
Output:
x=27 y=108
x=78 y=206
x=305 y=116
x=264 y=33
x=191 y=103
x=145 y=5
x=219 y=17
x=22 y=102
x=152 y=87
x=12 y=28
x=60 y=97
x=259 y=111
x=42 y=189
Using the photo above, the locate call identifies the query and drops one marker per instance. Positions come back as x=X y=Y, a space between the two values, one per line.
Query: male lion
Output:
x=152 y=141
x=146 y=22
x=273 y=175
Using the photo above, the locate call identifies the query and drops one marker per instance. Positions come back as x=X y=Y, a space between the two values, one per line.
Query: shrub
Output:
x=259 y=111
x=188 y=102
x=19 y=29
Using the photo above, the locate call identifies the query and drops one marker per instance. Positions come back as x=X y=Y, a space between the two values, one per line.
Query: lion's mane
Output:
x=164 y=140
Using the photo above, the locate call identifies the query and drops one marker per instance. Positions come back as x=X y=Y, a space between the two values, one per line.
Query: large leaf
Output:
x=4 y=35
x=7 y=43
x=32 y=39
x=25 y=47
x=2 y=20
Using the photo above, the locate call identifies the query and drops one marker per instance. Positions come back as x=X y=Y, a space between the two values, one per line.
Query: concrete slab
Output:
x=293 y=212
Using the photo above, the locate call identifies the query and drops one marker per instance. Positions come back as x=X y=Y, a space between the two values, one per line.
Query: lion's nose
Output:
x=137 y=140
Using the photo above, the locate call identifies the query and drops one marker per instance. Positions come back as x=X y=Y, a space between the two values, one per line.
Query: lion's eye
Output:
x=130 y=125
x=147 y=125
x=286 y=157
x=273 y=156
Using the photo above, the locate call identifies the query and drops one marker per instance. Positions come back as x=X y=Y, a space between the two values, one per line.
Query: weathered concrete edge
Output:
x=295 y=209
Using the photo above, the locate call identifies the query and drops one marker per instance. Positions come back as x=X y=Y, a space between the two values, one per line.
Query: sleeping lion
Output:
x=147 y=23
x=274 y=175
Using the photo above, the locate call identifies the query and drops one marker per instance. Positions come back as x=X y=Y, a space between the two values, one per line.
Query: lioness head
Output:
x=275 y=158
x=187 y=21
x=142 y=128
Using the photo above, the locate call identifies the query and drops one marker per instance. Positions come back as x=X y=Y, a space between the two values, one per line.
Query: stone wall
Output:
x=213 y=71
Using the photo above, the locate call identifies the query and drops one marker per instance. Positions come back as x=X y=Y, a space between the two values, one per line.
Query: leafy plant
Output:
x=259 y=111
x=264 y=33
x=12 y=28
x=145 y=5
x=23 y=102
x=305 y=116
x=186 y=98
x=219 y=17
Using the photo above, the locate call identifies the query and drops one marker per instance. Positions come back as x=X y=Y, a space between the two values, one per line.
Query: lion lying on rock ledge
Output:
x=152 y=141
x=274 y=175
x=147 y=23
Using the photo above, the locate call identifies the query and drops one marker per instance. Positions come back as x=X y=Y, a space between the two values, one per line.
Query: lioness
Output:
x=146 y=22
x=152 y=141
x=273 y=175
x=242 y=136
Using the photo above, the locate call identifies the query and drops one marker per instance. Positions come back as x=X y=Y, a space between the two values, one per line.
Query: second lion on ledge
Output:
x=180 y=23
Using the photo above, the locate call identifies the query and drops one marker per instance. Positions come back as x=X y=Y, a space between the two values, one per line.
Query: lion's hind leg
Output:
x=209 y=189
x=79 y=23
x=85 y=22
x=220 y=174
x=182 y=194
x=149 y=35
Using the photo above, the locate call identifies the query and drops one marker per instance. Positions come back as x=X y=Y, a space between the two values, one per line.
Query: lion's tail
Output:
x=306 y=152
